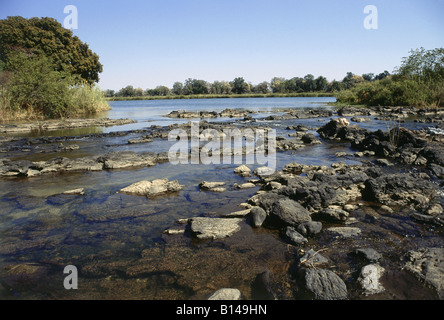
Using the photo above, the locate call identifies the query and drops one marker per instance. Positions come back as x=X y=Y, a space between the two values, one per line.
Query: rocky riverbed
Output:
x=366 y=224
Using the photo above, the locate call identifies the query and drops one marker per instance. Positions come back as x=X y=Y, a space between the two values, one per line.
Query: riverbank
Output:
x=224 y=96
x=352 y=211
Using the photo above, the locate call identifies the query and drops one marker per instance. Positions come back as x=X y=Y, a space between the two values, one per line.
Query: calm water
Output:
x=108 y=230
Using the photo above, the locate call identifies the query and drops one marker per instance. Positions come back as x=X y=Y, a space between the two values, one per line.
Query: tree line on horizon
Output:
x=239 y=86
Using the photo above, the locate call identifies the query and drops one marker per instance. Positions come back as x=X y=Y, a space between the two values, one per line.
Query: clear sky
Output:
x=151 y=43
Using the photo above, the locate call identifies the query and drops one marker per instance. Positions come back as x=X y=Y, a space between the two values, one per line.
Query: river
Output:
x=117 y=241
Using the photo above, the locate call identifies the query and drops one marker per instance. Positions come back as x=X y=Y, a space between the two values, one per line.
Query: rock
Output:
x=309 y=228
x=332 y=129
x=403 y=189
x=369 y=279
x=434 y=210
x=383 y=162
x=368 y=253
x=349 y=111
x=246 y=185
x=325 y=284
x=428 y=265
x=241 y=213
x=341 y=154
x=214 y=228
x=309 y=138
x=79 y=191
x=386 y=209
x=62 y=124
x=140 y=140
x=243 y=170
x=359 y=119
x=212 y=186
x=152 y=188
x=344 y=232
x=126 y=159
x=264 y=171
x=272 y=185
x=290 y=212
x=301 y=128
x=258 y=216
x=333 y=213
x=294 y=236
x=226 y=294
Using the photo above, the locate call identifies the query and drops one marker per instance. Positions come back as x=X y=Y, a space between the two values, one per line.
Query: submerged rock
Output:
x=344 y=232
x=214 y=228
x=212 y=186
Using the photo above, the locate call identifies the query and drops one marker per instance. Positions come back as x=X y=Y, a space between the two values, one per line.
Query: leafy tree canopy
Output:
x=47 y=37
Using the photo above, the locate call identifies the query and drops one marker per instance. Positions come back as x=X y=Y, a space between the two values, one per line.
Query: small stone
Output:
x=369 y=279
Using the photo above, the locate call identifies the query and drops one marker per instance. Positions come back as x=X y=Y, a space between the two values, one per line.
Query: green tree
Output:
x=239 y=86
x=128 y=91
x=262 y=87
x=177 y=88
x=220 y=87
x=368 y=76
x=194 y=86
x=309 y=83
x=35 y=85
x=47 y=37
x=278 y=85
x=321 y=83
x=158 y=91
x=423 y=65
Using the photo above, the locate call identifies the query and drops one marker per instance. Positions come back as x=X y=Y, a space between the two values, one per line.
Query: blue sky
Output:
x=150 y=43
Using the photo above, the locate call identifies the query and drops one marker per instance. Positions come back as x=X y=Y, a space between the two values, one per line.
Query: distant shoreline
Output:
x=222 y=96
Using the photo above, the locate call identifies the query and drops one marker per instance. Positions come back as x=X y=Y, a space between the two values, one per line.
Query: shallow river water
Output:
x=117 y=241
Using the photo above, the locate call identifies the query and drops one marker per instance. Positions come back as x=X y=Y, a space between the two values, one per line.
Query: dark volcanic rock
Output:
x=290 y=212
x=325 y=284
x=402 y=189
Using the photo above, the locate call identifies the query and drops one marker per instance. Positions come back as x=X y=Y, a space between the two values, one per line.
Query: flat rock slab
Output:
x=152 y=188
x=62 y=124
x=214 y=228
